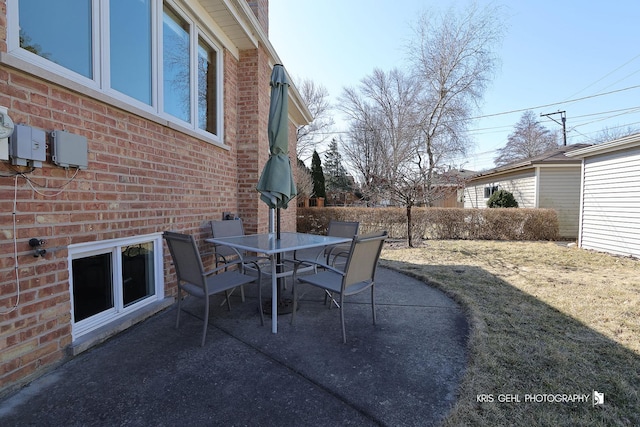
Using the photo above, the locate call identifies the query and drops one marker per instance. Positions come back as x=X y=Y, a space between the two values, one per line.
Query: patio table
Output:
x=269 y=245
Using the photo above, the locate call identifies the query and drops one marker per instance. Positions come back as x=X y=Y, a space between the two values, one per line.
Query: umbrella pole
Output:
x=278 y=224
x=272 y=228
x=282 y=305
x=279 y=260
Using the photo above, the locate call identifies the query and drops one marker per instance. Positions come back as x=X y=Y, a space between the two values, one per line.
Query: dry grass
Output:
x=546 y=319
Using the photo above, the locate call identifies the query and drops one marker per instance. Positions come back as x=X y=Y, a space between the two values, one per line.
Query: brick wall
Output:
x=261 y=10
x=143 y=177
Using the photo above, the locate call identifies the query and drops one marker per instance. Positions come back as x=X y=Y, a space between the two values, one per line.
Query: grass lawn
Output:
x=549 y=324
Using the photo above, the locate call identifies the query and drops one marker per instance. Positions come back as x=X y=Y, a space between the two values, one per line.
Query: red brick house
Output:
x=134 y=117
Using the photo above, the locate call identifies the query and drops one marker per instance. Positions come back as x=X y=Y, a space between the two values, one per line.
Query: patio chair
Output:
x=229 y=228
x=336 y=229
x=193 y=279
x=340 y=229
x=358 y=275
x=223 y=254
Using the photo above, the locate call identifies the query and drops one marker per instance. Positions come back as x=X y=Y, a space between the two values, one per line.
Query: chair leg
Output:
x=228 y=296
x=226 y=300
x=206 y=319
x=328 y=294
x=260 y=298
x=344 y=332
x=179 y=307
x=373 y=304
x=294 y=289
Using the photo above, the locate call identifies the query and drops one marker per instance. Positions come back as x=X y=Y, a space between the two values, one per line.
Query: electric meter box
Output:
x=28 y=146
x=69 y=150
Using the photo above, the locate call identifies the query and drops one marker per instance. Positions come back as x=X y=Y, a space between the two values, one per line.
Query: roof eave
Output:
x=607 y=147
x=238 y=22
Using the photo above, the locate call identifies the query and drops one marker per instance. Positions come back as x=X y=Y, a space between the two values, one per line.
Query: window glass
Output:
x=206 y=87
x=92 y=289
x=130 y=48
x=59 y=31
x=138 y=281
x=175 y=65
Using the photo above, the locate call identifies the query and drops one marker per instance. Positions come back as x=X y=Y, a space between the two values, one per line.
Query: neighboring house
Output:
x=449 y=188
x=610 y=196
x=136 y=117
x=551 y=181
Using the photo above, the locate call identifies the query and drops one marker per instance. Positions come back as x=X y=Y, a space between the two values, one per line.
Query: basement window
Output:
x=110 y=279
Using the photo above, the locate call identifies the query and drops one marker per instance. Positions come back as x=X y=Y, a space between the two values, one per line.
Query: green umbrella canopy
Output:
x=276 y=184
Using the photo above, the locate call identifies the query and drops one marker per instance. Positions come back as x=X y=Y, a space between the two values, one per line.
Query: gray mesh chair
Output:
x=230 y=228
x=332 y=252
x=194 y=280
x=340 y=229
x=223 y=254
x=358 y=275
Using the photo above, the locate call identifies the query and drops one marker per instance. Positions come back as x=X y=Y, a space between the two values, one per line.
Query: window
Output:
x=148 y=53
x=207 y=92
x=130 y=48
x=67 y=42
x=175 y=65
x=110 y=279
x=489 y=190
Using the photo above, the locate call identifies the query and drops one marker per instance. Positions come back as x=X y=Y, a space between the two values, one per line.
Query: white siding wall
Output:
x=522 y=185
x=611 y=203
x=473 y=196
x=559 y=189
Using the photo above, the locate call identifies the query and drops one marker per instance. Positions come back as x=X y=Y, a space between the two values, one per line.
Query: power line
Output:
x=607 y=75
x=522 y=109
x=556 y=103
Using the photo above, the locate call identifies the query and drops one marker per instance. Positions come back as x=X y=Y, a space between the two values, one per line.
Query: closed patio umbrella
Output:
x=276 y=185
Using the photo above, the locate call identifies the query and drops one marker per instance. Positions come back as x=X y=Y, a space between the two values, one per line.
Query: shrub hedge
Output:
x=439 y=223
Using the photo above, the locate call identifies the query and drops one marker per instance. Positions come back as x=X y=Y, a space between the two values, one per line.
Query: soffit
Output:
x=233 y=20
x=240 y=26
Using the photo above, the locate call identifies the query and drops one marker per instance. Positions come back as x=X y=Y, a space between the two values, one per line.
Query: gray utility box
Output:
x=69 y=150
x=28 y=146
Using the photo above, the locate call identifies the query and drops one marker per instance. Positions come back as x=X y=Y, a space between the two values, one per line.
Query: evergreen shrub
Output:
x=502 y=199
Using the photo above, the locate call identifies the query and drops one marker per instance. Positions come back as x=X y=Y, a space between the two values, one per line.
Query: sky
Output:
x=582 y=57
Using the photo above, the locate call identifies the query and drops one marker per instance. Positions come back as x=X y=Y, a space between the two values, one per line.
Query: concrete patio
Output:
x=404 y=371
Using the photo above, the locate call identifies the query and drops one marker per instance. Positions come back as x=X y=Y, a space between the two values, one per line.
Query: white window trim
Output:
x=113 y=246
x=99 y=86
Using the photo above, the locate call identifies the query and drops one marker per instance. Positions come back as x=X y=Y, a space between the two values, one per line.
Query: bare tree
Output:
x=316 y=97
x=364 y=147
x=612 y=133
x=382 y=133
x=529 y=139
x=453 y=58
x=304 y=181
x=384 y=141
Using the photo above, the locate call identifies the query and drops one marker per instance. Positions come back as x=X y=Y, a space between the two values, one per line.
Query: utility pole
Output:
x=563 y=117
